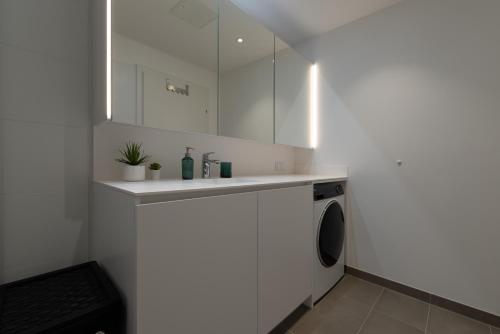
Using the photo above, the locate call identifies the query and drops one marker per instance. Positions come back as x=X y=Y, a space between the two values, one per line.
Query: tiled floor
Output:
x=355 y=306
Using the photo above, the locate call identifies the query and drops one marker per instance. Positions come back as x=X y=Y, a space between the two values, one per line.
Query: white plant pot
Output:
x=155 y=174
x=134 y=173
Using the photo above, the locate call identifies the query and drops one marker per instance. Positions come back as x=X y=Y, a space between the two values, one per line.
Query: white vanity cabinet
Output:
x=197 y=259
x=285 y=253
x=197 y=265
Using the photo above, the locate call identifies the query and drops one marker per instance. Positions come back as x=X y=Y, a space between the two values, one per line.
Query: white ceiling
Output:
x=296 y=20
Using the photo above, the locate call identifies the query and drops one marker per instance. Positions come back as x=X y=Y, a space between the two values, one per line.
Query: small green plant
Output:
x=133 y=155
x=155 y=166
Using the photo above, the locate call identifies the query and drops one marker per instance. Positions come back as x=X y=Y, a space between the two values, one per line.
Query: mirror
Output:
x=205 y=66
x=165 y=64
x=292 y=97
x=246 y=51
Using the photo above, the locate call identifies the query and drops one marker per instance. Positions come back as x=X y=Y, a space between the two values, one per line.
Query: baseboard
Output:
x=468 y=311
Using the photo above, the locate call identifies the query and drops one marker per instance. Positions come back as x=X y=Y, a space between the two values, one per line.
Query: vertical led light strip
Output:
x=313 y=108
x=108 y=59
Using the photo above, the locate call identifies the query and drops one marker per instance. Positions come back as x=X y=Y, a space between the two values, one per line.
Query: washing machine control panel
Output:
x=328 y=190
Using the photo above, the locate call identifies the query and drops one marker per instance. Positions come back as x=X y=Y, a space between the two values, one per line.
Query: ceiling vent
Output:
x=194 y=12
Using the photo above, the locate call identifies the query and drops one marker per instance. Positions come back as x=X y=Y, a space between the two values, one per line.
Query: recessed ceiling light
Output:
x=239 y=40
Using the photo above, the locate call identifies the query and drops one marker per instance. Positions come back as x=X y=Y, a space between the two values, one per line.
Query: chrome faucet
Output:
x=206 y=164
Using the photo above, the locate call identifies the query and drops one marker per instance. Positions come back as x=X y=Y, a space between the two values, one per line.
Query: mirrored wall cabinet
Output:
x=201 y=66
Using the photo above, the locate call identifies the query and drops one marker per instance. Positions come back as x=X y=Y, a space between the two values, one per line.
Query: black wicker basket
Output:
x=77 y=300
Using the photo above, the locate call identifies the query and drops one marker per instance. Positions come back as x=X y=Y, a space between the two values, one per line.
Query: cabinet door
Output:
x=197 y=266
x=285 y=252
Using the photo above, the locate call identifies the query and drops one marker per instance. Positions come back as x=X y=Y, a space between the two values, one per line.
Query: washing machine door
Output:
x=331 y=234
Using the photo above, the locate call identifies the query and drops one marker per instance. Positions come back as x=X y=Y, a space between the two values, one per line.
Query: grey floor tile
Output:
x=403 y=308
x=342 y=316
x=379 y=323
x=308 y=323
x=357 y=289
x=442 y=321
x=345 y=309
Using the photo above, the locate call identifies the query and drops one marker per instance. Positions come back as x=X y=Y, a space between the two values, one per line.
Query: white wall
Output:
x=419 y=82
x=44 y=135
x=167 y=148
x=128 y=51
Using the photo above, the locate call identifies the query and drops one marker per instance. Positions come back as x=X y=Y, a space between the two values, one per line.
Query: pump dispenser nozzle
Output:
x=188 y=151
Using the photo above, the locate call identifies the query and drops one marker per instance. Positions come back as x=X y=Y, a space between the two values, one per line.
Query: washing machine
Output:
x=329 y=237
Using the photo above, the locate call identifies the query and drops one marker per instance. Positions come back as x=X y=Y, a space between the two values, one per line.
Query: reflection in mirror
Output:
x=292 y=97
x=246 y=76
x=164 y=64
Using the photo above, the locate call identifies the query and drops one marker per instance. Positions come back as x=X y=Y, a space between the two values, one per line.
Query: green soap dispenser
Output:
x=187 y=165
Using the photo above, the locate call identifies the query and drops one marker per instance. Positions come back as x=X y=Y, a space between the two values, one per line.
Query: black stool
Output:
x=77 y=300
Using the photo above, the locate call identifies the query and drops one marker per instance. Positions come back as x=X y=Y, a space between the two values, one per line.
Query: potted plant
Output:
x=133 y=159
x=155 y=170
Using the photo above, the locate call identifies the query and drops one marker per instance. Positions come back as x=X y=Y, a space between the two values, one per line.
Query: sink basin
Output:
x=223 y=181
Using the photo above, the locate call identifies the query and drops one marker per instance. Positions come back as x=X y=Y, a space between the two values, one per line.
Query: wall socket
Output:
x=279 y=166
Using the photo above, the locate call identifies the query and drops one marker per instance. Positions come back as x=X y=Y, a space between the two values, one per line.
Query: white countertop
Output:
x=173 y=186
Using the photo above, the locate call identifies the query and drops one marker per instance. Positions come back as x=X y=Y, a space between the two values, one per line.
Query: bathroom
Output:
x=381 y=115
